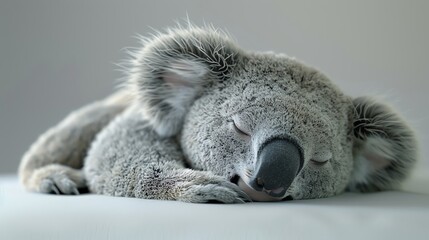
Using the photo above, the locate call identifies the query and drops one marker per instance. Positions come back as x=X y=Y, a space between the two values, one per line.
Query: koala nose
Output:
x=278 y=163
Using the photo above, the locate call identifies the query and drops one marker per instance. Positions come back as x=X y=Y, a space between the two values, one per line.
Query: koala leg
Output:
x=130 y=159
x=53 y=163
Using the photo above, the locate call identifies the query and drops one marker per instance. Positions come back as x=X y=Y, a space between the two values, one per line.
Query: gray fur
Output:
x=53 y=162
x=200 y=110
x=384 y=139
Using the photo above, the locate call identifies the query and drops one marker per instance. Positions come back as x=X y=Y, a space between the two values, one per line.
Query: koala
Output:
x=198 y=119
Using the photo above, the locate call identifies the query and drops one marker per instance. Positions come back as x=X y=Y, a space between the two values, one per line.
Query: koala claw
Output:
x=224 y=193
x=58 y=185
x=242 y=195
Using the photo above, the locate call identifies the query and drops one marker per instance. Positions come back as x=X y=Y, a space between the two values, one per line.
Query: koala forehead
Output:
x=278 y=82
x=278 y=74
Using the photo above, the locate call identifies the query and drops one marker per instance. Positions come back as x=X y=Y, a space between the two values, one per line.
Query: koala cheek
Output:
x=320 y=181
x=210 y=145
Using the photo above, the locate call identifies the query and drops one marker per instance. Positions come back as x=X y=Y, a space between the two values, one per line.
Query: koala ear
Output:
x=385 y=148
x=172 y=69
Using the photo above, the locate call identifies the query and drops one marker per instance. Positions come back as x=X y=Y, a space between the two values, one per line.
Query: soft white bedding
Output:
x=386 y=215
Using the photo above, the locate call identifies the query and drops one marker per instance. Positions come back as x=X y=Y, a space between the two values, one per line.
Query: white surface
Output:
x=386 y=215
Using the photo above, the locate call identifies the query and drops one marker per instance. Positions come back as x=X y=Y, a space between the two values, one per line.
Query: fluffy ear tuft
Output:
x=172 y=69
x=385 y=148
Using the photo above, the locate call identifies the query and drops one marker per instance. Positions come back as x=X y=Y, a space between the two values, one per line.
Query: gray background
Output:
x=56 y=56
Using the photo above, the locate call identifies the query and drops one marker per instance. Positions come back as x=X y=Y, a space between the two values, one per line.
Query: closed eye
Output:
x=321 y=158
x=238 y=129
x=318 y=162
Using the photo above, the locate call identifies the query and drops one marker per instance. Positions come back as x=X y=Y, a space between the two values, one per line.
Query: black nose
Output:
x=279 y=161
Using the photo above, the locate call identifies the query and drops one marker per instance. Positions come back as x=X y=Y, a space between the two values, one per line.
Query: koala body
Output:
x=200 y=120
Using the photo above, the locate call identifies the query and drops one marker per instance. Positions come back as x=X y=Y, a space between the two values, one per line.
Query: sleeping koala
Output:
x=202 y=120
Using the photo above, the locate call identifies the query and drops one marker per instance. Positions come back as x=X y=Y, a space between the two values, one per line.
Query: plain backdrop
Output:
x=56 y=56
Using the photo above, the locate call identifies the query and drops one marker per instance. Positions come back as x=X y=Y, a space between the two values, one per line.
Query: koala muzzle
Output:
x=279 y=161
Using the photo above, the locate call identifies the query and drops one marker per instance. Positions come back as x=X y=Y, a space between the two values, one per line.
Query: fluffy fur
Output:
x=195 y=112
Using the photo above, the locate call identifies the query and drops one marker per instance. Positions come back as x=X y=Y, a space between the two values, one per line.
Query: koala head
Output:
x=274 y=126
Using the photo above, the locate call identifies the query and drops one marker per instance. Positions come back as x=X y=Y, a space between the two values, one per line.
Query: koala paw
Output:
x=224 y=192
x=56 y=179
x=58 y=184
